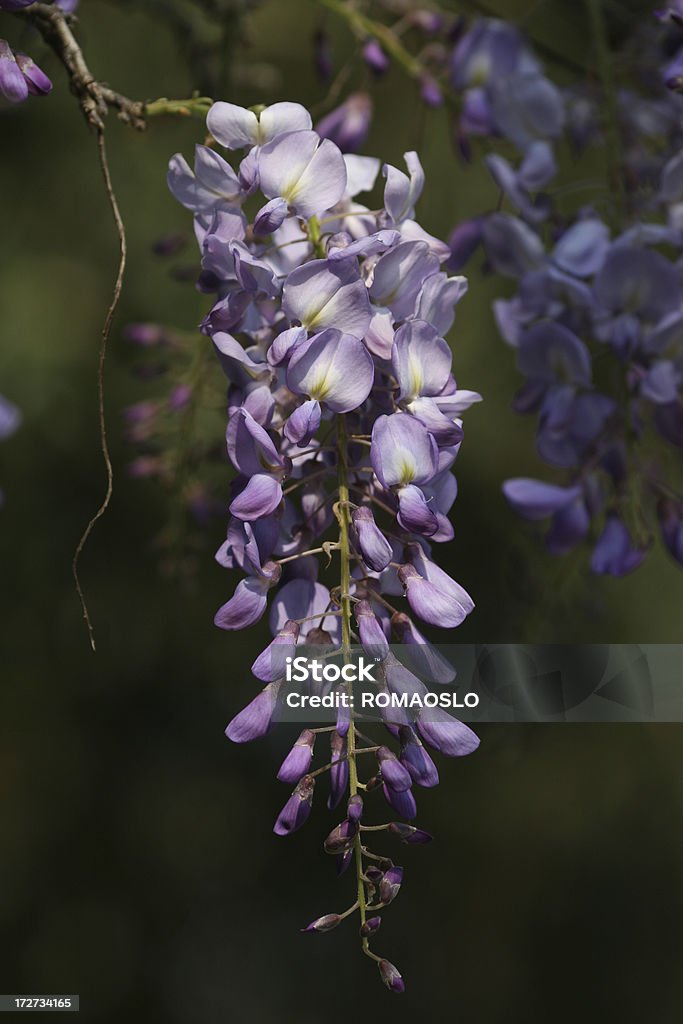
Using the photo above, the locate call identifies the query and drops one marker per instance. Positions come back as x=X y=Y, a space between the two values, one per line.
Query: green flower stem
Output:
x=196 y=106
x=345 y=583
x=611 y=118
x=364 y=26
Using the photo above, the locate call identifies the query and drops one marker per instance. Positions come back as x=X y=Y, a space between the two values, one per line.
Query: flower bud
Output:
x=323 y=924
x=375 y=57
x=408 y=833
x=390 y=884
x=297 y=809
x=343 y=860
x=298 y=760
x=341 y=838
x=374 y=546
x=415 y=758
x=390 y=976
x=371 y=634
x=348 y=125
x=394 y=774
x=354 y=808
x=370 y=927
x=339 y=772
x=402 y=801
x=13 y=85
x=430 y=91
x=145 y=334
x=37 y=81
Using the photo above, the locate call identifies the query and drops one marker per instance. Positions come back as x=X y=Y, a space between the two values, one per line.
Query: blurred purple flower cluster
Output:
x=344 y=421
x=597 y=320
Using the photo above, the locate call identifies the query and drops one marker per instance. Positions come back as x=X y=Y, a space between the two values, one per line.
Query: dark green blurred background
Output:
x=137 y=863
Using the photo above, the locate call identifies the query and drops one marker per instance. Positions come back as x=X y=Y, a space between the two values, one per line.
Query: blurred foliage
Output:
x=137 y=864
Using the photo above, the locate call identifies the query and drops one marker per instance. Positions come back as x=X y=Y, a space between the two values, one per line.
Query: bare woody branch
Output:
x=96 y=98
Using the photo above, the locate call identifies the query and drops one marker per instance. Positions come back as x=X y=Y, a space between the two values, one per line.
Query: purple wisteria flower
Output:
x=20 y=76
x=344 y=423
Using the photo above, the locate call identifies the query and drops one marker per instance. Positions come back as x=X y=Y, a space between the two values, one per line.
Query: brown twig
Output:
x=104 y=338
x=94 y=97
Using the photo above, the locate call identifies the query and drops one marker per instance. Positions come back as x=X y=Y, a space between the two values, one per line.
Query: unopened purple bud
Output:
x=348 y=125
x=463 y=242
x=374 y=546
x=343 y=860
x=408 y=833
x=253 y=721
x=390 y=884
x=13 y=85
x=37 y=81
x=370 y=631
x=270 y=663
x=341 y=838
x=323 y=924
x=391 y=976
x=446 y=734
x=422 y=769
x=354 y=808
x=145 y=334
x=297 y=809
x=179 y=397
x=375 y=57
x=298 y=760
x=394 y=774
x=270 y=217
x=370 y=927
x=430 y=91
x=402 y=801
x=339 y=772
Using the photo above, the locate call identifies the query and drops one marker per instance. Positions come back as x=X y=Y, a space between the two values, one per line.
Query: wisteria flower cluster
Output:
x=344 y=421
x=596 y=325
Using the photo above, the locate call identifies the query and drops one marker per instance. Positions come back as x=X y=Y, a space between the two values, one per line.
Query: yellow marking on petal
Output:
x=415 y=375
x=320 y=388
x=480 y=70
x=408 y=469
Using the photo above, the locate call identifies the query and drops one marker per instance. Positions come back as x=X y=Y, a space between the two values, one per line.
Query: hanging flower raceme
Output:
x=596 y=320
x=344 y=421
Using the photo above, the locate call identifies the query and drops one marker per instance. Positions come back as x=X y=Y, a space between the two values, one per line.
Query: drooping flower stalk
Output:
x=342 y=406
